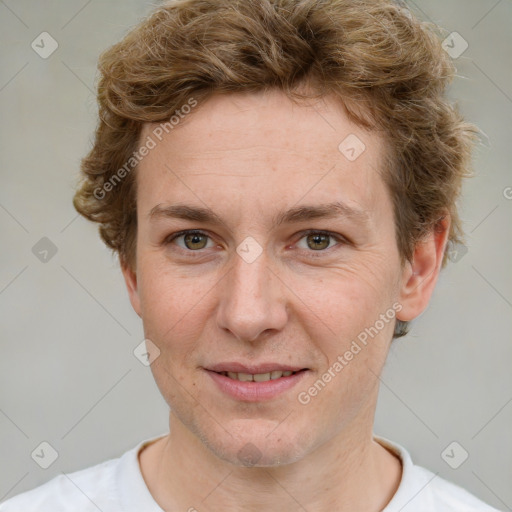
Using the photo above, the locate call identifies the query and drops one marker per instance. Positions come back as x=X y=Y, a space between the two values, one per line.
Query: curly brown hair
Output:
x=387 y=68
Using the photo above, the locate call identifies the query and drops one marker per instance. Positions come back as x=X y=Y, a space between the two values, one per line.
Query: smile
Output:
x=258 y=377
x=255 y=387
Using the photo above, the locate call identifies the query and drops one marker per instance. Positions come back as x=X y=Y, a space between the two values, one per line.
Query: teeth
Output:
x=259 y=377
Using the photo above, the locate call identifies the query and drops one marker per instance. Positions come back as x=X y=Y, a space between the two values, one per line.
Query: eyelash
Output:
x=341 y=240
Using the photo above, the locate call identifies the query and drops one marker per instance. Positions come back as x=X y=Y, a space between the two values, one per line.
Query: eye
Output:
x=319 y=241
x=193 y=240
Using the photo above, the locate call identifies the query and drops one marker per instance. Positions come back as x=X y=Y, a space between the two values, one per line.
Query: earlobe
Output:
x=130 y=278
x=420 y=275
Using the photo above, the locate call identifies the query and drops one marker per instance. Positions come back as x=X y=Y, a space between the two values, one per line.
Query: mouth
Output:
x=259 y=377
x=255 y=384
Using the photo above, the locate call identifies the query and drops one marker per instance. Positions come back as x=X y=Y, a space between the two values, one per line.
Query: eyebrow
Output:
x=293 y=215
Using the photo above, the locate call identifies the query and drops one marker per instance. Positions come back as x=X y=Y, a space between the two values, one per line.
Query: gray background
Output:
x=68 y=375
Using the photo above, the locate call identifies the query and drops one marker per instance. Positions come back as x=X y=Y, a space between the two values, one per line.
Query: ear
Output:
x=420 y=275
x=130 y=278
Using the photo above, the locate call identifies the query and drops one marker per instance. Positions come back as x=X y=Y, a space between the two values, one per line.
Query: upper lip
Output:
x=253 y=369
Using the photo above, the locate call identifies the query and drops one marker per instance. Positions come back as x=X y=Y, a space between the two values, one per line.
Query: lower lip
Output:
x=255 y=391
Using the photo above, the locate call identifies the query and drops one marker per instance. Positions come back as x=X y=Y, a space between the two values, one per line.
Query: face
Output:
x=263 y=246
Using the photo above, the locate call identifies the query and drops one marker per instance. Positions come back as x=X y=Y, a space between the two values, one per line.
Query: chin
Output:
x=257 y=446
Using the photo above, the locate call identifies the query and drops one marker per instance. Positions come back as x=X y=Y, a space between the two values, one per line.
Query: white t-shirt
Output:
x=117 y=485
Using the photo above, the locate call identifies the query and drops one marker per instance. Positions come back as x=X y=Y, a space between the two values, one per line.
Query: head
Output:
x=250 y=116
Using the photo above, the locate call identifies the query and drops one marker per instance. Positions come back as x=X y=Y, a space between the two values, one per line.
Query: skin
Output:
x=301 y=302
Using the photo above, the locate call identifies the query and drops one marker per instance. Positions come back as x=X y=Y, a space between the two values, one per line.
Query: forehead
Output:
x=260 y=149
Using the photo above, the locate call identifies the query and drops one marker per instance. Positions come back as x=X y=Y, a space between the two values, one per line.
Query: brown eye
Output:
x=318 y=241
x=190 y=241
x=195 y=241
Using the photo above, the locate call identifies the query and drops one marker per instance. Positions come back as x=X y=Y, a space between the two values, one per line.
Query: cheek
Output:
x=173 y=312
x=173 y=308
x=353 y=349
x=345 y=300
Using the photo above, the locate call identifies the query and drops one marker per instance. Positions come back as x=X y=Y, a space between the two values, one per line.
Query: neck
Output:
x=349 y=472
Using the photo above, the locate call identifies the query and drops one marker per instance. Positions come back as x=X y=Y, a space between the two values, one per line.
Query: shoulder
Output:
x=446 y=496
x=111 y=486
x=89 y=489
x=421 y=490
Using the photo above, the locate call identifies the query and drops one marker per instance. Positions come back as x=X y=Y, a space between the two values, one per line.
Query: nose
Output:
x=253 y=300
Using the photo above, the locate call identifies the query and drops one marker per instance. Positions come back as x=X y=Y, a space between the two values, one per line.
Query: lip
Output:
x=236 y=367
x=256 y=391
